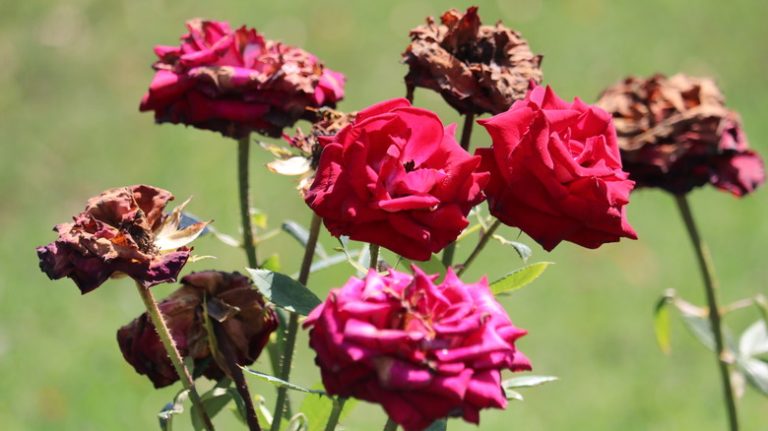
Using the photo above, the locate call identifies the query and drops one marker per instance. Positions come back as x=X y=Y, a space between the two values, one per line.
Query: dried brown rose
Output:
x=476 y=68
x=121 y=231
x=236 y=312
x=676 y=134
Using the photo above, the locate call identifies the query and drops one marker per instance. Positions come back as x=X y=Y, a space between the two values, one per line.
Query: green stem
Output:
x=173 y=353
x=710 y=285
x=391 y=425
x=293 y=325
x=466 y=136
x=479 y=247
x=338 y=406
x=243 y=148
x=374 y=262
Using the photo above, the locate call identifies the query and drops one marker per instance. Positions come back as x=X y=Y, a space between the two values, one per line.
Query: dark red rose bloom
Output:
x=123 y=231
x=396 y=177
x=556 y=172
x=424 y=351
x=236 y=311
x=235 y=82
x=676 y=134
x=476 y=68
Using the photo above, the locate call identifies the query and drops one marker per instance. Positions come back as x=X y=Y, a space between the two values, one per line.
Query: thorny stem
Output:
x=173 y=353
x=374 y=262
x=237 y=376
x=338 y=405
x=243 y=149
x=479 y=247
x=390 y=425
x=710 y=286
x=466 y=136
x=293 y=325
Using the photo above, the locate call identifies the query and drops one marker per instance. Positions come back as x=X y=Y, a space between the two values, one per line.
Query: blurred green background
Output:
x=71 y=76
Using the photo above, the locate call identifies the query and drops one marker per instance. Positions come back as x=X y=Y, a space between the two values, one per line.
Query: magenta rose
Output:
x=556 y=172
x=396 y=177
x=423 y=351
x=235 y=82
x=121 y=231
x=237 y=314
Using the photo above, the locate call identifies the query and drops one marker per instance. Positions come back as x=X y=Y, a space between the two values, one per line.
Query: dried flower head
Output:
x=121 y=231
x=676 y=134
x=476 y=68
x=236 y=313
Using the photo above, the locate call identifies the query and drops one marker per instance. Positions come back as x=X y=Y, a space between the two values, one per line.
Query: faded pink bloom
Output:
x=122 y=230
x=236 y=312
x=235 y=82
x=423 y=351
x=396 y=177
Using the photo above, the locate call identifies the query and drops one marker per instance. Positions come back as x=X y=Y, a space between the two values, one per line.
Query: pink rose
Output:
x=238 y=316
x=122 y=230
x=396 y=177
x=422 y=351
x=236 y=81
x=556 y=172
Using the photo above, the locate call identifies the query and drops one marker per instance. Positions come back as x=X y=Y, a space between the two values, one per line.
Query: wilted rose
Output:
x=123 y=231
x=235 y=82
x=476 y=68
x=235 y=311
x=423 y=351
x=676 y=134
x=396 y=177
x=556 y=172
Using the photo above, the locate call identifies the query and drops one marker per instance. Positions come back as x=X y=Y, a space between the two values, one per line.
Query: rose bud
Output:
x=423 y=351
x=676 y=134
x=235 y=310
x=396 y=177
x=556 y=172
x=235 y=82
x=476 y=68
x=121 y=231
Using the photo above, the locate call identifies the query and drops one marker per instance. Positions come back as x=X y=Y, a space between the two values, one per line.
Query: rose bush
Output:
x=236 y=311
x=676 y=134
x=423 y=351
x=235 y=82
x=122 y=230
x=556 y=172
x=396 y=177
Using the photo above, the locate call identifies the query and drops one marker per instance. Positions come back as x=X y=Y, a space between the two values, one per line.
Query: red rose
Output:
x=238 y=315
x=234 y=82
x=396 y=177
x=556 y=172
x=423 y=351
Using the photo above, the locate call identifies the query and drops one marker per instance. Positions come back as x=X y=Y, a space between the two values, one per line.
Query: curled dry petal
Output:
x=396 y=177
x=556 y=172
x=476 y=68
x=236 y=81
x=237 y=312
x=122 y=230
x=676 y=134
x=424 y=351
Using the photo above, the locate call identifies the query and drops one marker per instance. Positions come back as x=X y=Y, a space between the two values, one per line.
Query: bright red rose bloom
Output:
x=423 y=351
x=556 y=172
x=236 y=81
x=396 y=177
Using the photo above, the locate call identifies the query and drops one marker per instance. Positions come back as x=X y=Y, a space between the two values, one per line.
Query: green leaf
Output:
x=259 y=218
x=280 y=383
x=754 y=340
x=272 y=263
x=438 y=425
x=522 y=250
x=172 y=409
x=518 y=278
x=213 y=402
x=700 y=328
x=513 y=395
x=756 y=372
x=301 y=234
x=661 y=324
x=317 y=409
x=283 y=291
x=526 y=381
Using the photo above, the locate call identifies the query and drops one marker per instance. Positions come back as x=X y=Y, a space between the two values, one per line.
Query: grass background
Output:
x=71 y=76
